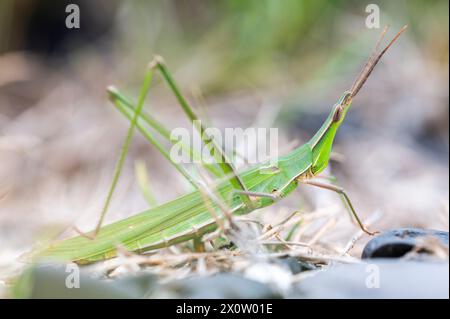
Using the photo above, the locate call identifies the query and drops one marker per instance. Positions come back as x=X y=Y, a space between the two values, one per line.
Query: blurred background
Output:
x=244 y=63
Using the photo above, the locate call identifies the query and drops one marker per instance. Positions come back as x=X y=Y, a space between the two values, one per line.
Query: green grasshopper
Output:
x=193 y=215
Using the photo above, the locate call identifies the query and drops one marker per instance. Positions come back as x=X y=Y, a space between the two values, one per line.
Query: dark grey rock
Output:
x=49 y=282
x=223 y=286
x=398 y=242
x=296 y=266
x=383 y=278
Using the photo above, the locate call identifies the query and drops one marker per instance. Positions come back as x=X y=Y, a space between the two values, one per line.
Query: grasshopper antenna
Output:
x=371 y=57
x=372 y=61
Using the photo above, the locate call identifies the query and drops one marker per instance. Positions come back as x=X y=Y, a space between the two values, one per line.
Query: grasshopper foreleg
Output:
x=346 y=199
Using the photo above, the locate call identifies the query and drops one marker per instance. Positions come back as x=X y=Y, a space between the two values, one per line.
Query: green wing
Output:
x=173 y=222
x=178 y=220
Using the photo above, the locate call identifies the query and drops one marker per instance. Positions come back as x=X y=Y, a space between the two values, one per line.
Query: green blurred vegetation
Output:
x=230 y=44
x=238 y=44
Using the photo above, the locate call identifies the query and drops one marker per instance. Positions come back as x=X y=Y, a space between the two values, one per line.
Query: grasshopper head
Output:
x=322 y=141
x=341 y=108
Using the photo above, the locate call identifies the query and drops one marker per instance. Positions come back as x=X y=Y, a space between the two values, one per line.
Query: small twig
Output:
x=316 y=257
x=283 y=242
x=248 y=220
x=322 y=231
x=285 y=223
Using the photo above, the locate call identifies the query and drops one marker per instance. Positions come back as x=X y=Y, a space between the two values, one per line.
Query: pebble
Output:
x=396 y=243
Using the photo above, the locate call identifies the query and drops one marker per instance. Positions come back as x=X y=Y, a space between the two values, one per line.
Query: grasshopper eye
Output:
x=347 y=99
x=338 y=113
